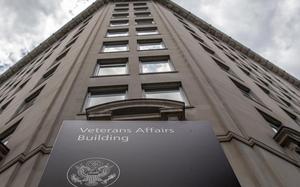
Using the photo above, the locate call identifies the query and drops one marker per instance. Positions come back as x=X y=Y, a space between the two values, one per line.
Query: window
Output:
x=293 y=116
x=56 y=46
x=109 y=47
x=36 y=69
x=246 y=91
x=170 y=91
x=264 y=82
x=263 y=89
x=231 y=58
x=46 y=57
x=211 y=38
x=140 y=8
x=3 y=107
x=122 y=5
x=275 y=98
x=119 y=23
x=111 y=67
x=4 y=137
x=102 y=95
x=252 y=65
x=82 y=27
x=155 y=64
x=123 y=15
x=246 y=66
x=2 y=100
x=78 y=33
x=146 y=31
x=219 y=46
x=221 y=65
x=183 y=22
x=142 y=14
x=207 y=49
x=121 y=9
x=29 y=101
x=117 y=33
x=139 y=4
x=144 y=21
x=47 y=75
x=154 y=44
x=87 y=19
x=235 y=57
x=64 y=37
x=62 y=55
x=226 y=68
x=244 y=70
x=179 y=17
x=187 y=27
x=203 y=30
x=274 y=123
x=69 y=44
x=21 y=86
x=286 y=103
x=287 y=96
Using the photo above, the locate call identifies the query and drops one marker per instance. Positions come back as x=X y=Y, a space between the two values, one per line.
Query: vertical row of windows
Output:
x=202 y=43
x=260 y=75
x=16 y=83
x=144 y=25
x=23 y=76
x=267 y=83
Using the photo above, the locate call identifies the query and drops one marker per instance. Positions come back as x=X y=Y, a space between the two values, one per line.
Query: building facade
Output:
x=150 y=60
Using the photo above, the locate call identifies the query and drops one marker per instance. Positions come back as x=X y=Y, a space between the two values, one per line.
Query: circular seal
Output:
x=93 y=172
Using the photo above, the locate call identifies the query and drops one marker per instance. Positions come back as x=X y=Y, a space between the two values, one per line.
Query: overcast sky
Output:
x=269 y=27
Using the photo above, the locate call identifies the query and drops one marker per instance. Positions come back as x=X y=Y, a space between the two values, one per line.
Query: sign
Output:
x=137 y=154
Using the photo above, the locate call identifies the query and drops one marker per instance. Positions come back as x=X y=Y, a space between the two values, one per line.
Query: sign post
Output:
x=137 y=154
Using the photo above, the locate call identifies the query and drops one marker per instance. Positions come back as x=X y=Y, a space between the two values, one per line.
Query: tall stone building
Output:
x=150 y=60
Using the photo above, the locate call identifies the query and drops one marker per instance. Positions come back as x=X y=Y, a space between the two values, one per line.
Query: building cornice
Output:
x=172 y=6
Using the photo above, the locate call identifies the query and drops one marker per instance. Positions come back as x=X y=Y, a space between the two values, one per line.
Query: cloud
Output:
x=26 y=23
x=269 y=27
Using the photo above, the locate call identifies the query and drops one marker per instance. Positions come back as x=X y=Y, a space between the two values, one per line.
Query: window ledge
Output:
x=140 y=37
x=164 y=72
x=118 y=27
x=100 y=76
x=101 y=52
x=152 y=50
x=113 y=37
x=143 y=17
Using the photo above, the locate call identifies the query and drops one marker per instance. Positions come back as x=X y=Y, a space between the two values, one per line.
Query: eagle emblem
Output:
x=93 y=172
